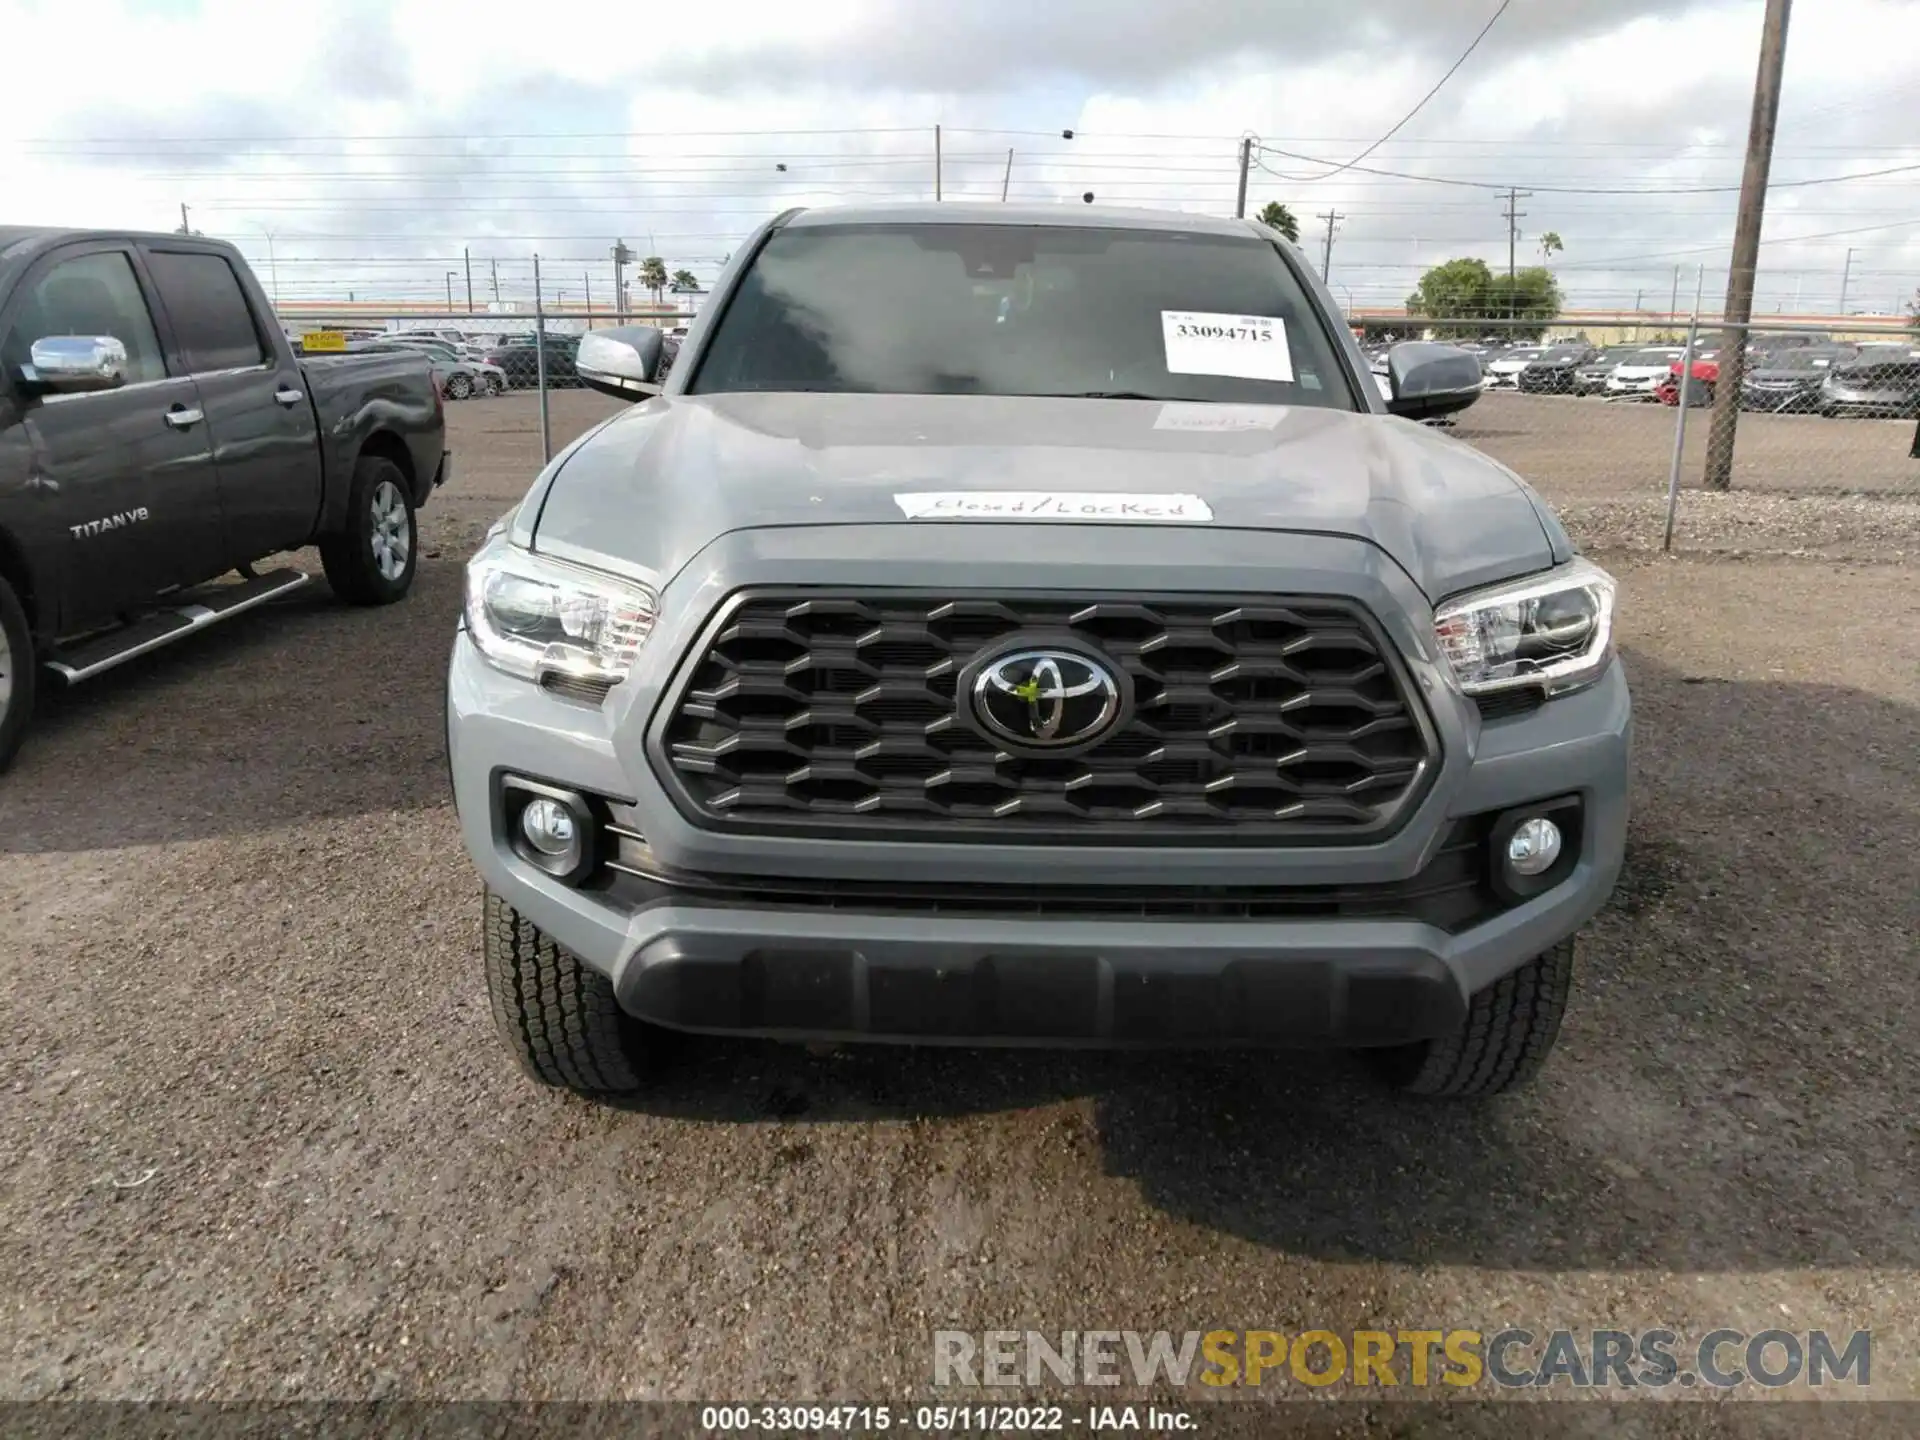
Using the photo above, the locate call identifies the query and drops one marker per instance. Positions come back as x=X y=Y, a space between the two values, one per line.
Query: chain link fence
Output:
x=1791 y=439
x=1822 y=458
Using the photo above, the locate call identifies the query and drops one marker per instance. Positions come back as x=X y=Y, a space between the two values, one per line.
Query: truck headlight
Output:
x=534 y=617
x=1554 y=631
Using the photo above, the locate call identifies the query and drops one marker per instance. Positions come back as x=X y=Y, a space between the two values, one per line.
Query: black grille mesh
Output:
x=813 y=713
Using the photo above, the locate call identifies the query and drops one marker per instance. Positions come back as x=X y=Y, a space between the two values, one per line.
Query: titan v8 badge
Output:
x=117 y=521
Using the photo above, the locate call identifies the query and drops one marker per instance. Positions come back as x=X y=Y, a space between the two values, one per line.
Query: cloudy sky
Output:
x=371 y=146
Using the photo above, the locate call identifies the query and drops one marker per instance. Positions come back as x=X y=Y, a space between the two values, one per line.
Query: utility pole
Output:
x=184 y=230
x=450 y=292
x=1514 y=217
x=1673 y=305
x=495 y=266
x=936 y=162
x=621 y=255
x=1246 y=163
x=1332 y=217
x=1006 y=179
x=466 y=258
x=1846 y=276
x=1746 y=247
x=586 y=286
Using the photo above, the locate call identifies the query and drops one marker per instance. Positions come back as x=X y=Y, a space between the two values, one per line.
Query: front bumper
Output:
x=842 y=968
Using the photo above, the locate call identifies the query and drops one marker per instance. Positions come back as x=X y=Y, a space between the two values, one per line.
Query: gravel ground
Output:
x=264 y=1144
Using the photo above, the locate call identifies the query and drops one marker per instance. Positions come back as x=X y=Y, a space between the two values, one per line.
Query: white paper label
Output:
x=1055 y=505
x=1176 y=415
x=1248 y=347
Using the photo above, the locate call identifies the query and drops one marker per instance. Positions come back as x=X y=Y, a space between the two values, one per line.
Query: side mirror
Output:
x=1426 y=380
x=622 y=362
x=74 y=365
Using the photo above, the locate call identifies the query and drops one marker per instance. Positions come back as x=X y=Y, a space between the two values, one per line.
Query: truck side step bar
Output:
x=182 y=615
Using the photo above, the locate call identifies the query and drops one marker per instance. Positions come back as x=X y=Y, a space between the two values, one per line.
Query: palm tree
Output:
x=1550 y=244
x=653 y=275
x=684 y=280
x=1276 y=216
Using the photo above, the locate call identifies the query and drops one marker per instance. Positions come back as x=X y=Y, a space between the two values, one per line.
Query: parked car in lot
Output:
x=157 y=431
x=1788 y=381
x=1881 y=381
x=1703 y=368
x=1642 y=373
x=948 y=657
x=459 y=376
x=1590 y=375
x=1503 y=372
x=518 y=358
x=1551 y=372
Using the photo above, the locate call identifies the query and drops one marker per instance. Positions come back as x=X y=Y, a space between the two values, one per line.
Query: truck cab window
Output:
x=94 y=294
x=211 y=317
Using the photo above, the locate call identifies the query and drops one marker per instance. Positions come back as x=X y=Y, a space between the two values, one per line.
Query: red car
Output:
x=1706 y=370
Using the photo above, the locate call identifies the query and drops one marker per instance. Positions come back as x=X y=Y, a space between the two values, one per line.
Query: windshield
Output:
x=1565 y=352
x=1800 y=359
x=1616 y=356
x=957 y=309
x=1656 y=357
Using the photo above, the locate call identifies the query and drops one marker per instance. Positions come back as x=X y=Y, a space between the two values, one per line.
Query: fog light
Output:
x=549 y=828
x=1533 y=847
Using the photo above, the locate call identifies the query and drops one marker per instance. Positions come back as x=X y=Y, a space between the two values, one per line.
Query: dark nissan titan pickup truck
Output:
x=157 y=432
x=1032 y=625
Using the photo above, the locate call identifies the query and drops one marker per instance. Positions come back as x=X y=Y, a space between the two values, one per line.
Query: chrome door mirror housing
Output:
x=623 y=361
x=74 y=365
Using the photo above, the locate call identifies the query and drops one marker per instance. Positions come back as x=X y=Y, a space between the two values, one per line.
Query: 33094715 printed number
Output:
x=1224 y=332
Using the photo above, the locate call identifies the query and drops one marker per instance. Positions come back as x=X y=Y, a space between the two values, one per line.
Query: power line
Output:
x=1451 y=71
x=1582 y=189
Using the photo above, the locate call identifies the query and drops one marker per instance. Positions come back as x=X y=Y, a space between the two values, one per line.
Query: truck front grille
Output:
x=1282 y=718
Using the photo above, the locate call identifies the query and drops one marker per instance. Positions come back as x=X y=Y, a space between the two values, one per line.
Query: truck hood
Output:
x=653 y=487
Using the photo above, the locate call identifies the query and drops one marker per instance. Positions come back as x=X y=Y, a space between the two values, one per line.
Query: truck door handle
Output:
x=181 y=418
x=288 y=398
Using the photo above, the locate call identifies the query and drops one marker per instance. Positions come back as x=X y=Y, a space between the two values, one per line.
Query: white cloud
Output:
x=1574 y=95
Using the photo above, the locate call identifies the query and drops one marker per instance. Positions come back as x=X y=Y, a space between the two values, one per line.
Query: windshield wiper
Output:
x=1112 y=395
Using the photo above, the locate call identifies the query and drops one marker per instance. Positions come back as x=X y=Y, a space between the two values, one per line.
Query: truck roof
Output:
x=1103 y=217
x=19 y=239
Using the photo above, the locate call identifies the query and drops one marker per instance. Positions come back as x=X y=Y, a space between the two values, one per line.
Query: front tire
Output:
x=18 y=671
x=556 y=1015
x=371 y=561
x=1509 y=1031
x=459 y=387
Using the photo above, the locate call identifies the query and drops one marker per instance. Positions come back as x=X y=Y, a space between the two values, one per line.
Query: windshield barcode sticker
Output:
x=1246 y=347
x=1055 y=505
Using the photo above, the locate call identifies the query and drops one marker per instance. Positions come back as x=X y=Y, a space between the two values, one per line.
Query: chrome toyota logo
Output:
x=1046 y=698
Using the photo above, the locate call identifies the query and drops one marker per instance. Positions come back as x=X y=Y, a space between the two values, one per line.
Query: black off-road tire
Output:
x=19 y=666
x=357 y=566
x=558 y=1016
x=1507 y=1035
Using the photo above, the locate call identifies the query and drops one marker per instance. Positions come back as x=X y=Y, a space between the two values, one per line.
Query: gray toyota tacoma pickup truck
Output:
x=1016 y=625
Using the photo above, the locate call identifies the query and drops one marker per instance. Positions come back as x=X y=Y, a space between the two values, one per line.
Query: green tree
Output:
x=1457 y=297
x=653 y=275
x=1276 y=216
x=1550 y=244
x=685 y=280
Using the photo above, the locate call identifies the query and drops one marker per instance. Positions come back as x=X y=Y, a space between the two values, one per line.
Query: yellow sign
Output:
x=315 y=341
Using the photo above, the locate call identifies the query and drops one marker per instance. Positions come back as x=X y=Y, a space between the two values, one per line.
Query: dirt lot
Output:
x=263 y=1143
